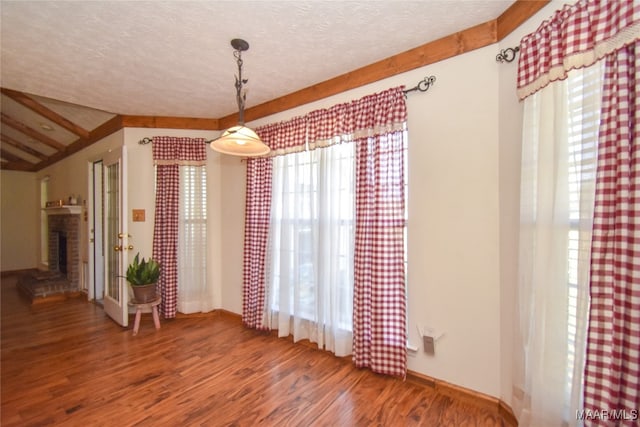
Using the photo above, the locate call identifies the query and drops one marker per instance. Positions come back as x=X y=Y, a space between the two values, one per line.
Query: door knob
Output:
x=117 y=248
x=129 y=248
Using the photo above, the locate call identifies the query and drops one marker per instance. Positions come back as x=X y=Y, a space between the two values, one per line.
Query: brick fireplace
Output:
x=64 y=245
x=63 y=278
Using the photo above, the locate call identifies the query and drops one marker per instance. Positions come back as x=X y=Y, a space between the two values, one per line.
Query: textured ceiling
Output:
x=173 y=58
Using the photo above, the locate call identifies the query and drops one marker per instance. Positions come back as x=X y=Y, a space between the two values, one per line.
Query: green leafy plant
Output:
x=142 y=272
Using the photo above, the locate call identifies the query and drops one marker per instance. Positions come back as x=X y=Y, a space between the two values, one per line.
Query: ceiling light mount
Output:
x=240 y=45
x=239 y=140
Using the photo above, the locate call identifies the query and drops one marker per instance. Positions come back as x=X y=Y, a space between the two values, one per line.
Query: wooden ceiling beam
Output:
x=10 y=156
x=516 y=15
x=46 y=112
x=102 y=131
x=20 y=165
x=22 y=128
x=20 y=146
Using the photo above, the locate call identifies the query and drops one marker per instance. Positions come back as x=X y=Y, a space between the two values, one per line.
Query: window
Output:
x=312 y=228
x=193 y=295
x=310 y=261
x=557 y=197
x=583 y=93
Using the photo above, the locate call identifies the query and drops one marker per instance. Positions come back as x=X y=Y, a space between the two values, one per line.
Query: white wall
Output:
x=454 y=277
x=19 y=218
x=464 y=174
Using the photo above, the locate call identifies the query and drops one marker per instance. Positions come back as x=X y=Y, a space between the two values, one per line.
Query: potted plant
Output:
x=143 y=275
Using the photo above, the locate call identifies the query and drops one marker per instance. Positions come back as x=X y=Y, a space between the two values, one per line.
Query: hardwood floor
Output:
x=67 y=363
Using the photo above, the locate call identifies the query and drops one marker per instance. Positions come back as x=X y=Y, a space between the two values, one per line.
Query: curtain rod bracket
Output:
x=422 y=86
x=508 y=54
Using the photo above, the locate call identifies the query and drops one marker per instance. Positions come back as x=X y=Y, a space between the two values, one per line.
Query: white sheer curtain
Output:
x=311 y=245
x=557 y=198
x=194 y=294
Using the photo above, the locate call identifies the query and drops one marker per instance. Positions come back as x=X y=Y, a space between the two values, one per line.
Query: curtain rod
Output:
x=147 y=140
x=422 y=86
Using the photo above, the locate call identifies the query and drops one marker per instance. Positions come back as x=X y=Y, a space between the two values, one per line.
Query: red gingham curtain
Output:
x=612 y=371
x=576 y=36
x=285 y=137
x=256 y=232
x=168 y=154
x=376 y=124
x=379 y=307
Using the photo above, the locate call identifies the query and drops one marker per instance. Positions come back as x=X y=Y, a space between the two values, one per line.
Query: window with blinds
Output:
x=193 y=294
x=583 y=103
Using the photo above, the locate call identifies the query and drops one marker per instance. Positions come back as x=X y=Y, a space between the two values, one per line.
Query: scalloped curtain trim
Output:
x=180 y=162
x=342 y=123
x=565 y=31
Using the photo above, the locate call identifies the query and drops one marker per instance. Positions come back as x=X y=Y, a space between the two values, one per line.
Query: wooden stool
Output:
x=146 y=306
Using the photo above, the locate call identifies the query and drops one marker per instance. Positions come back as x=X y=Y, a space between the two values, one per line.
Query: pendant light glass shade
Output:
x=240 y=141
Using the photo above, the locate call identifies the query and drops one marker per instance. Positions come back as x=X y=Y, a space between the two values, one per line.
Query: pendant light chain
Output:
x=240 y=97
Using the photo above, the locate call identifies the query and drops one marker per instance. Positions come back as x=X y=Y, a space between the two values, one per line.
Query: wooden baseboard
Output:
x=507 y=414
x=493 y=404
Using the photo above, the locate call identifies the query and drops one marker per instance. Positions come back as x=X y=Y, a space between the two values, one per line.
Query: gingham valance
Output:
x=284 y=137
x=170 y=150
x=576 y=36
x=368 y=116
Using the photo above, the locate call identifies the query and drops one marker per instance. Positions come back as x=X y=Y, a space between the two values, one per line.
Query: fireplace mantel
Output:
x=64 y=210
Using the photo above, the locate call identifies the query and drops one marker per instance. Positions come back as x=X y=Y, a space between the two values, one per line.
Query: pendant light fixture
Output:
x=239 y=140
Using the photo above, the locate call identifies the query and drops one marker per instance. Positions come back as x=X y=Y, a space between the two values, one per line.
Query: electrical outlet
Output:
x=429 y=344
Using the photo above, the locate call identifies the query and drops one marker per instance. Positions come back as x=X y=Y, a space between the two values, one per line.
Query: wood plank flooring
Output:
x=68 y=364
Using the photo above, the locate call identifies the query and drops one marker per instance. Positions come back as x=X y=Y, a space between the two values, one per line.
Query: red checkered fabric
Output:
x=168 y=154
x=612 y=371
x=285 y=137
x=256 y=232
x=379 y=311
x=169 y=150
x=371 y=115
x=574 y=37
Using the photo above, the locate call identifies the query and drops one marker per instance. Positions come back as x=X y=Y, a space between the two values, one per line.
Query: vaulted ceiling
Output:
x=73 y=72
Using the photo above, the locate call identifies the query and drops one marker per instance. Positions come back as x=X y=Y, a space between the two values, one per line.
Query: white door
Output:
x=116 y=293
